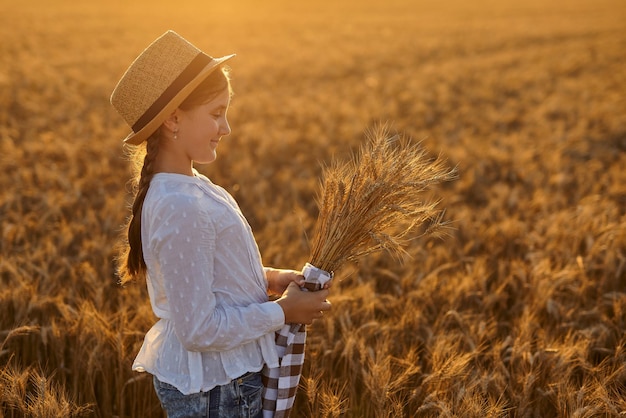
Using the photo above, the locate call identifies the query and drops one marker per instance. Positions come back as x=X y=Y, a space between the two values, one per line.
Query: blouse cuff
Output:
x=276 y=314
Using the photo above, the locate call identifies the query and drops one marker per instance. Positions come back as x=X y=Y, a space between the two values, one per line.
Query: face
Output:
x=201 y=128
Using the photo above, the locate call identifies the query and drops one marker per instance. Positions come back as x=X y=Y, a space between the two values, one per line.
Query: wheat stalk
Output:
x=376 y=200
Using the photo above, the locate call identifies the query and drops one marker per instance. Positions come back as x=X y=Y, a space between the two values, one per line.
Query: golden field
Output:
x=520 y=312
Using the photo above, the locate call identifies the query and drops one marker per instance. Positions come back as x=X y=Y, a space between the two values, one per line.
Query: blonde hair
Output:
x=130 y=260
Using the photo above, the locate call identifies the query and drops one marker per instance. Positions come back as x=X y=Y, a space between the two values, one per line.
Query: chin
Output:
x=207 y=160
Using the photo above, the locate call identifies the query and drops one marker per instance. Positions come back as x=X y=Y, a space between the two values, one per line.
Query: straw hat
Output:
x=158 y=81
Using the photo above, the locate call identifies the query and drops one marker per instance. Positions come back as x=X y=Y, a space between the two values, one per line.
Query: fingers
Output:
x=293 y=286
x=296 y=277
x=323 y=303
x=324 y=306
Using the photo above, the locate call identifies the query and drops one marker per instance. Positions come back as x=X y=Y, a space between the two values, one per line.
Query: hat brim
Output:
x=136 y=138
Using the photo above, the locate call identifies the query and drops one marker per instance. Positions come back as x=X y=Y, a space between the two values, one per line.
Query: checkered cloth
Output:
x=280 y=384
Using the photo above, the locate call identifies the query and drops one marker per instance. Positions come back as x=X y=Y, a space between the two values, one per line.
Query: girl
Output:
x=189 y=239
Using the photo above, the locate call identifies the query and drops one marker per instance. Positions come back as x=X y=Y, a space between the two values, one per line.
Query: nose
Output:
x=225 y=128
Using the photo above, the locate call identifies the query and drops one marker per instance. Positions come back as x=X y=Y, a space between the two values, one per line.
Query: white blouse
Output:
x=207 y=286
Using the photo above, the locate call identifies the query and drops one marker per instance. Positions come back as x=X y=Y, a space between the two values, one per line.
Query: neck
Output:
x=168 y=163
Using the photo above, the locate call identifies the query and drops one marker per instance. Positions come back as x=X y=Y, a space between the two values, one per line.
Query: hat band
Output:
x=189 y=73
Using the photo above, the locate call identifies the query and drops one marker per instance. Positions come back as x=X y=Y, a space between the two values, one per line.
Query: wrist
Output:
x=283 y=306
x=270 y=278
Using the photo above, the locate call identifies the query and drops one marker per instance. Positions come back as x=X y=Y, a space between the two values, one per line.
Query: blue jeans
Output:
x=241 y=398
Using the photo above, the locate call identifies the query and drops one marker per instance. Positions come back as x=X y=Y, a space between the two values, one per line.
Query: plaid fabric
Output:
x=280 y=384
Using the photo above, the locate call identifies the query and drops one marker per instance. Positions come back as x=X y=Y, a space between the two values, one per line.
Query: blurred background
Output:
x=520 y=312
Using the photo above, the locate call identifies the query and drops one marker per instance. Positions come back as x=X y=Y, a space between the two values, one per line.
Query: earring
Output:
x=176 y=134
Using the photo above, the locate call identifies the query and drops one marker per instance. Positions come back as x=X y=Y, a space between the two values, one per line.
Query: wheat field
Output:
x=520 y=312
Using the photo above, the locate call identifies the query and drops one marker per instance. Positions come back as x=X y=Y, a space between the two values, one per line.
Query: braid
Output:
x=132 y=263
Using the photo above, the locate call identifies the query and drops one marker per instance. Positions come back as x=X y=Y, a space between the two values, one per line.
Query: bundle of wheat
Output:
x=376 y=201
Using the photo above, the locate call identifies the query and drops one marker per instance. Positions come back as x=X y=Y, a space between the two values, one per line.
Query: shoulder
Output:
x=218 y=192
x=174 y=196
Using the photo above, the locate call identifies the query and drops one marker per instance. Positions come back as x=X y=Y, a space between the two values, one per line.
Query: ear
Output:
x=171 y=123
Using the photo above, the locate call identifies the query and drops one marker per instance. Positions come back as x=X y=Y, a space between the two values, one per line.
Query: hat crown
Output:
x=152 y=72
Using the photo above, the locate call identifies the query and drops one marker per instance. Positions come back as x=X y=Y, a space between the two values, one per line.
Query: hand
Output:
x=279 y=279
x=302 y=307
